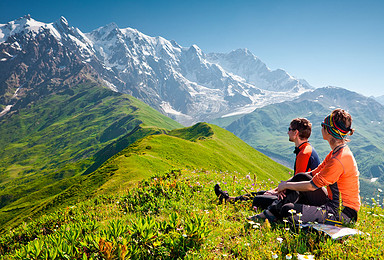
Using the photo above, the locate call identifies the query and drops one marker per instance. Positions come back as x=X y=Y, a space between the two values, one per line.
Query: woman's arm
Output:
x=297 y=186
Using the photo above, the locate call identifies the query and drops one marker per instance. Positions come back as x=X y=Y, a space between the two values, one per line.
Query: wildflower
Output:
x=380 y=190
x=288 y=256
x=286 y=221
x=256 y=225
x=287 y=228
x=290 y=173
x=330 y=214
x=302 y=257
x=247 y=244
x=292 y=211
x=254 y=208
x=299 y=214
x=300 y=221
x=248 y=177
x=185 y=235
x=267 y=225
x=279 y=239
x=274 y=255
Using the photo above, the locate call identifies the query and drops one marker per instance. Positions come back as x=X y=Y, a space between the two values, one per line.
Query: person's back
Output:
x=346 y=184
x=307 y=158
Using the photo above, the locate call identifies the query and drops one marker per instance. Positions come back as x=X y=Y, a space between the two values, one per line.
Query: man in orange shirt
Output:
x=338 y=172
x=306 y=160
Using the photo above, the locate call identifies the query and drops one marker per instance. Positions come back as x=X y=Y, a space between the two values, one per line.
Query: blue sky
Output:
x=328 y=42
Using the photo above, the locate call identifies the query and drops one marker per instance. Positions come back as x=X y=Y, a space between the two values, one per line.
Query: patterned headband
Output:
x=337 y=129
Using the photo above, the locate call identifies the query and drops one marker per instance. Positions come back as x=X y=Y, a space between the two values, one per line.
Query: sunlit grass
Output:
x=178 y=216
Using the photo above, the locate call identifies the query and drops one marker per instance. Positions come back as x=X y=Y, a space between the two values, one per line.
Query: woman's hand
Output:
x=281 y=190
x=271 y=192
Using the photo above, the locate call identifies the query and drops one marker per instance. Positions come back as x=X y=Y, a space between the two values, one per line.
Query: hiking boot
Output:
x=221 y=194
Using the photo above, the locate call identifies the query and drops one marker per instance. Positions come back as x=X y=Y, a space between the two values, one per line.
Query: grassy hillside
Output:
x=200 y=146
x=57 y=137
x=176 y=215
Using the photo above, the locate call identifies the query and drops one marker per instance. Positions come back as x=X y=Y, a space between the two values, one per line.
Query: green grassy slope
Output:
x=176 y=215
x=201 y=146
x=44 y=145
x=211 y=148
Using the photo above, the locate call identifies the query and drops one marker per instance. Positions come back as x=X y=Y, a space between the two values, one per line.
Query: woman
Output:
x=338 y=172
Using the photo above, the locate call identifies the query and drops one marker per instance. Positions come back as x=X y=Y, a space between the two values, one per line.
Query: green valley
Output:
x=50 y=141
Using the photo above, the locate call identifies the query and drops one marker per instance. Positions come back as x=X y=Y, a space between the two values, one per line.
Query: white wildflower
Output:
x=305 y=257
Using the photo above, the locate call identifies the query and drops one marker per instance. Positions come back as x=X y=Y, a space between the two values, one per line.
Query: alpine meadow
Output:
x=111 y=143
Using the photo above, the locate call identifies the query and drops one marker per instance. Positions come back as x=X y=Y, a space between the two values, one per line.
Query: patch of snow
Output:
x=6 y=110
x=169 y=109
x=111 y=86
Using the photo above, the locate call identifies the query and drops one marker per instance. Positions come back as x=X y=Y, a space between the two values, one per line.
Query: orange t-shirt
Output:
x=340 y=174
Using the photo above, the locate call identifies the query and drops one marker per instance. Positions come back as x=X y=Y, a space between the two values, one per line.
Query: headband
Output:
x=335 y=128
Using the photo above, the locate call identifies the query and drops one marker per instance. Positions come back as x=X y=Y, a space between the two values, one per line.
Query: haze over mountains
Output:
x=181 y=82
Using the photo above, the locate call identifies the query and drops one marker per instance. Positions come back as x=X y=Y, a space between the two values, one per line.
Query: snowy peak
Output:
x=245 y=64
x=25 y=25
x=181 y=82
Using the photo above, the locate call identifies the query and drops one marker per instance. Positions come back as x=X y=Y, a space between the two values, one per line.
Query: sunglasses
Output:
x=324 y=124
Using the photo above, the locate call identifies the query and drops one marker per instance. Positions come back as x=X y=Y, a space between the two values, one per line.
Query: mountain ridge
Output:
x=178 y=81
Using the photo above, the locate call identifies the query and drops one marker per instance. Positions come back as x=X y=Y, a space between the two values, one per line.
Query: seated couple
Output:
x=329 y=191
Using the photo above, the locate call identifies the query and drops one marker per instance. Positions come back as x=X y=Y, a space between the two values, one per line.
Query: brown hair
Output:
x=303 y=126
x=341 y=115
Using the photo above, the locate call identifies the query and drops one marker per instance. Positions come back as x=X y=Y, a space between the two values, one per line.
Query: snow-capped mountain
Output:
x=38 y=59
x=245 y=64
x=181 y=82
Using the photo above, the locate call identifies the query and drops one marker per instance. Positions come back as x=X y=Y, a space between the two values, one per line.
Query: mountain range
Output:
x=183 y=83
x=73 y=104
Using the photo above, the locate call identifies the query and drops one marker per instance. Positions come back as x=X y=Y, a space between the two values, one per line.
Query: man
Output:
x=306 y=160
